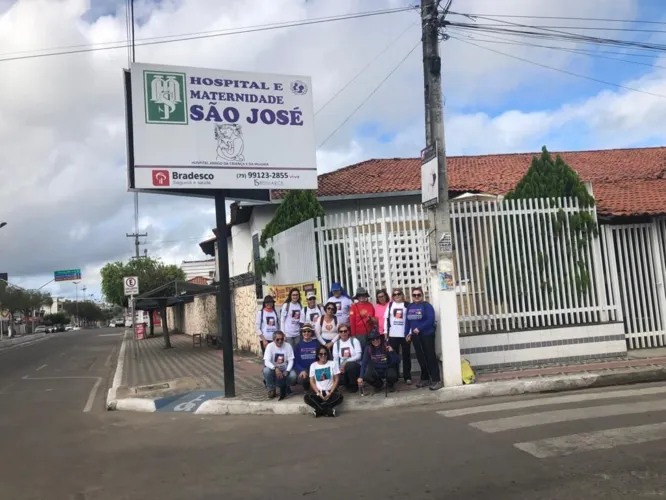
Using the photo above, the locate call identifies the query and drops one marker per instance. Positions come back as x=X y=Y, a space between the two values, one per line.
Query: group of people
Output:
x=346 y=342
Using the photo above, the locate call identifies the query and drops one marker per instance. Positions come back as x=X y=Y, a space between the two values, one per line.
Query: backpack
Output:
x=321 y=320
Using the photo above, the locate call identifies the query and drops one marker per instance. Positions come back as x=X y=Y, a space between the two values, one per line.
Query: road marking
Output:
x=91 y=396
x=118 y=376
x=590 y=441
x=110 y=334
x=93 y=391
x=23 y=344
x=43 y=366
x=552 y=417
x=531 y=403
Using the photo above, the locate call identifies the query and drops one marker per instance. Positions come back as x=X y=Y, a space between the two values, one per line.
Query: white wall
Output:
x=240 y=254
x=194 y=268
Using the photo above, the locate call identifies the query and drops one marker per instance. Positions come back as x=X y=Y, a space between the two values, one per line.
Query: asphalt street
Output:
x=58 y=442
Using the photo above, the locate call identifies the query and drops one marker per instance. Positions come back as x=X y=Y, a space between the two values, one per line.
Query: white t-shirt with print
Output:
x=395 y=324
x=312 y=315
x=347 y=350
x=343 y=305
x=281 y=357
x=323 y=375
x=268 y=325
x=291 y=319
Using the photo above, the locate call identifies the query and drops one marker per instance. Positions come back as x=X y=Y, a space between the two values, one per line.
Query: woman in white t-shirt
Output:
x=291 y=317
x=326 y=329
x=324 y=376
x=347 y=353
x=267 y=322
x=394 y=326
x=342 y=301
x=312 y=311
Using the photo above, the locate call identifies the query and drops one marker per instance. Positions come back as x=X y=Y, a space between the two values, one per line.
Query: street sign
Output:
x=131 y=285
x=429 y=177
x=67 y=275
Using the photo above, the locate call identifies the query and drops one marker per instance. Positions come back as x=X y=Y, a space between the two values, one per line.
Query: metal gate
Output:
x=635 y=259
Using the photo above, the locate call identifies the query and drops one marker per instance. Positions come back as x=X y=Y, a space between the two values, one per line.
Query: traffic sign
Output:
x=131 y=285
x=67 y=275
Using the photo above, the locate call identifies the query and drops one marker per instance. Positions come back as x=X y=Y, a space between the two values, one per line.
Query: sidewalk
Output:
x=189 y=379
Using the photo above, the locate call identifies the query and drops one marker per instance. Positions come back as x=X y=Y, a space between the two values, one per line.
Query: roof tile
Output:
x=625 y=181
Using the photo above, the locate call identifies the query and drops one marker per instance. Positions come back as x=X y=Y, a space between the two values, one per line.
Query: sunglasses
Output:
x=312 y=298
x=417 y=295
x=330 y=309
x=322 y=354
x=376 y=339
x=343 y=331
x=306 y=330
x=397 y=294
x=279 y=339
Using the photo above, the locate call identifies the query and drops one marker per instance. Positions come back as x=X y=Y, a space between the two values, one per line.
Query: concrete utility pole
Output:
x=76 y=284
x=136 y=235
x=441 y=249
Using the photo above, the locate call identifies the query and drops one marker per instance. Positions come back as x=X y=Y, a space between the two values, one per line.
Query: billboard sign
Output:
x=193 y=128
x=67 y=275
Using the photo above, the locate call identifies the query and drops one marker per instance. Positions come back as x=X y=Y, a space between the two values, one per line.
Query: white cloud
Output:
x=63 y=190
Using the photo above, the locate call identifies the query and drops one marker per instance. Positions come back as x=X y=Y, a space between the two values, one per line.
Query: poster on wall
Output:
x=281 y=292
x=197 y=128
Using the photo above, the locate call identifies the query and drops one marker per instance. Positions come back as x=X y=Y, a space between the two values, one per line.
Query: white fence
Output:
x=295 y=253
x=375 y=249
x=519 y=264
x=635 y=258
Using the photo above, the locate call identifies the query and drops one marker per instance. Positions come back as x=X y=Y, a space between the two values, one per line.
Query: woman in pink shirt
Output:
x=382 y=303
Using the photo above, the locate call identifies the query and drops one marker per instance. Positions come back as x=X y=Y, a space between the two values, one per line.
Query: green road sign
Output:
x=67 y=275
x=165 y=95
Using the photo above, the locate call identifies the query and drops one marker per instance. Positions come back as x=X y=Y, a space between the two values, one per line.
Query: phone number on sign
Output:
x=267 y=175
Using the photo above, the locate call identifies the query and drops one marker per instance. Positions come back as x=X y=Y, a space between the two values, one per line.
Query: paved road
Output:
x=575 y=445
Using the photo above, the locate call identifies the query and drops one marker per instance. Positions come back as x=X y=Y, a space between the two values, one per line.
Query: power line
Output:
x=203 y=35
x=588 y=53
x=590 y=28
x=365 y=68
x=560 y=18
x=418 y=44
x=570 y=73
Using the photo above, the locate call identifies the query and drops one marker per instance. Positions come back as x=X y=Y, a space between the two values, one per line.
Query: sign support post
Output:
x=224 y=295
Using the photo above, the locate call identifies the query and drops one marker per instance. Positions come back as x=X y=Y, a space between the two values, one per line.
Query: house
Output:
x=202 y=270
x=628 y=184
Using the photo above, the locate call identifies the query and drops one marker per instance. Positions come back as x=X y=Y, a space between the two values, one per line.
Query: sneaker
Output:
x=332 y=414
x=436 y=386
x=283 y=394
x=271 y=393
x=422 y=383
x=315 y=413
x=391 y=388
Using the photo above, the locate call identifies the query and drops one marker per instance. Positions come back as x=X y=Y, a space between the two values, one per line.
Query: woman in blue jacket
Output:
x=420 y=329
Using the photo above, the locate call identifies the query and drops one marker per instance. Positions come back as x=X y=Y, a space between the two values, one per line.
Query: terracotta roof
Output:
x=625 y=181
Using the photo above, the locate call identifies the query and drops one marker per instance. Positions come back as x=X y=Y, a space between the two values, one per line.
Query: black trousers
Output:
x=349 y=378
x=376 y=377
x=400 y=344
x=305 y=384
x=427 y=357
x=321 y=406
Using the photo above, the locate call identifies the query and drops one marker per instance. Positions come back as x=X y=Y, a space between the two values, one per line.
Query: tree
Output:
x=152 y=273
x=56 y=319
x=298 y=206
x=18 y=300
x=549 y=180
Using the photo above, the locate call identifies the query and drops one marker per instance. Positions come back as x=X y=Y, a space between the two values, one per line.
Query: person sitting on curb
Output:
x=304 y=355
x=379 y=364
x=278 y=364
x=324 y=376
x=347 y=352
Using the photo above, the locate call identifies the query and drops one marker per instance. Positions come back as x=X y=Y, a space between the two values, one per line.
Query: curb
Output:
x=514 y=387
x=112 y=403
x=30 y=339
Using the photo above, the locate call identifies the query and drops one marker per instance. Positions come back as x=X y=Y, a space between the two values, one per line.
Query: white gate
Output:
x=375 y=249
x=295 y=254
x=520 y=264
x=635 y=254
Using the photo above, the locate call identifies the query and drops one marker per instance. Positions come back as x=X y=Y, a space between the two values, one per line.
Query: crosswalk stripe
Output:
x=555 y=416
x=531 y=403
x=590 y=441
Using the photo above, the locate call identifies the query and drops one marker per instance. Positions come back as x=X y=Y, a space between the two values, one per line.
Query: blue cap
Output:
x=336 y=287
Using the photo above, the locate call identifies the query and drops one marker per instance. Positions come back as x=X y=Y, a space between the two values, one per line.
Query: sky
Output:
x=63 y=188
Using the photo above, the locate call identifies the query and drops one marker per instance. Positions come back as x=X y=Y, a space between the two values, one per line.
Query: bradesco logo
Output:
x=191 y=178
x=161 y=178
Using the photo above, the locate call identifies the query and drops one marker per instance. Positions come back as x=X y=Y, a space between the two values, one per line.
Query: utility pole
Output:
x=442 y=282
x=76 y=284
x=136 y=235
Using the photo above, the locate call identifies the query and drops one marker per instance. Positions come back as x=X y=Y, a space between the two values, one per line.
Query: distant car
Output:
x=40 y=329
x=69 y=328
x=119 y=323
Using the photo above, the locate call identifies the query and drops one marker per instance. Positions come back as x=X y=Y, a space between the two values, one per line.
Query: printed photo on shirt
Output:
x=270 y=321
x=338 y=306
x=345 y=352
x=278 y=358
x=296 y=314
x=314 y=317
x=397 y=313
x=322 y=374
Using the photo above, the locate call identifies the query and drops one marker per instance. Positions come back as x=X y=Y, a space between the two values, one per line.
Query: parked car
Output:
x=118 y=323
x=69 y=328
x=40 y=329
